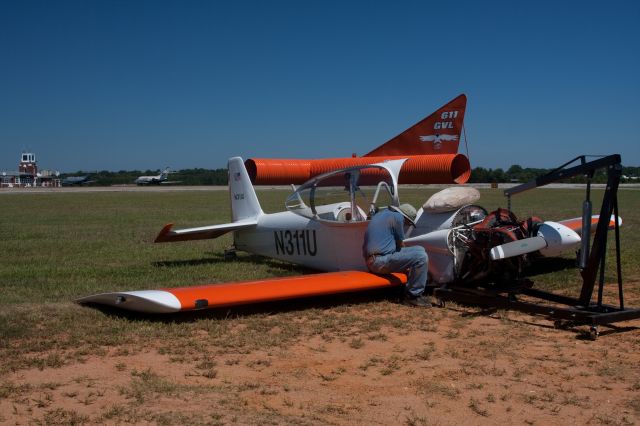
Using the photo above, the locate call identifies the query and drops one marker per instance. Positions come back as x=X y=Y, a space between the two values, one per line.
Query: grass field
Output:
x=58 y=247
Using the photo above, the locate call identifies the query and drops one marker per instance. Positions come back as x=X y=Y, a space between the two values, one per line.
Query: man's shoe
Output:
x=419 y=301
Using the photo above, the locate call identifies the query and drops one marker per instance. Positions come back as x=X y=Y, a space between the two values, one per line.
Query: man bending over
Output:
x=384 y=251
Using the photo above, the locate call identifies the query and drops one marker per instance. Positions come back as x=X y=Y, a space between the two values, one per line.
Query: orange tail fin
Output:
x=439 y=133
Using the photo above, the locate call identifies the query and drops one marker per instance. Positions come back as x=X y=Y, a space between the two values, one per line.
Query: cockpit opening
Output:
x=346 y=196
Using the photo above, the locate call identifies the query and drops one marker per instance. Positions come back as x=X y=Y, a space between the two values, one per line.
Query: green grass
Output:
x=69 y=245
x=57 y=247
x=559 y=204
x=60 y=246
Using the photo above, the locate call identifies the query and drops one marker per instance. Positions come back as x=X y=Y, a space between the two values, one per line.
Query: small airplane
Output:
x=77 y=180
x=154 y=180
x=323 y=228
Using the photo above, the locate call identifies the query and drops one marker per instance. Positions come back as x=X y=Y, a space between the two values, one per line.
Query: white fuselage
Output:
x=333 y=246
x=142 y=180
x=297 y=239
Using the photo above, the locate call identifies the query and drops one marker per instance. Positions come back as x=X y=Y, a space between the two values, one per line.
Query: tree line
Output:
x=515 y=174
x=518 y=174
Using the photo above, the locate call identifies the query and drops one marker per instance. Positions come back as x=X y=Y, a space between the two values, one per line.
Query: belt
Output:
x=374 y=255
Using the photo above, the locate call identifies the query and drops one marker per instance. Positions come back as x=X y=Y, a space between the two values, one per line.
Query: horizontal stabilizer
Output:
x=167 y=234
x=241 y=293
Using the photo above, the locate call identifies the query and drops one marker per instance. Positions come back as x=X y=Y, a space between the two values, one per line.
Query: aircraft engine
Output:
x=472 y=245
x=446 y=237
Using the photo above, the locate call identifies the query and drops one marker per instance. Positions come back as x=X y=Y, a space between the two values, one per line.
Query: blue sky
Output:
x=122 y=85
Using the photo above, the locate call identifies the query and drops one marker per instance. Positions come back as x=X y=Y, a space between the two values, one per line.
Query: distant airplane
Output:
x=154 y=180
x=77 y=180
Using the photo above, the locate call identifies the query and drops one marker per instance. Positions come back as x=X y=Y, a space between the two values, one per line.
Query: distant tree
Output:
x=479 y=175
x=498 y=175
x=515 y=170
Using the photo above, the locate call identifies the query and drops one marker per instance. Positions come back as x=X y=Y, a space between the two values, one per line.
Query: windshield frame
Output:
x=390 y=167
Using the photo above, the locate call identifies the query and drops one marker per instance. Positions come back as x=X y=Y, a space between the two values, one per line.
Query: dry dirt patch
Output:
x=402 y=366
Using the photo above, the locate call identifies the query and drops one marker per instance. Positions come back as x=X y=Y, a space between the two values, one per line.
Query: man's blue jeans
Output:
x=412 y=258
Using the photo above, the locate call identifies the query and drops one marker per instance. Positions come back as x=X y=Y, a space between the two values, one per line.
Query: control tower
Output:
x=28 y=165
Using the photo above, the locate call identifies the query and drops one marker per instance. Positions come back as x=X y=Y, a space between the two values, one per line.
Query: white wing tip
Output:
x=147 y=301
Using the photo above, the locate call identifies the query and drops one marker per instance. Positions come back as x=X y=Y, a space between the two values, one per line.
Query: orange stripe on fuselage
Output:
x=220 y=295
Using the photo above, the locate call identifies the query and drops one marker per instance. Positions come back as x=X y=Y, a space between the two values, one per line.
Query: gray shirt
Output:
x=383 y=233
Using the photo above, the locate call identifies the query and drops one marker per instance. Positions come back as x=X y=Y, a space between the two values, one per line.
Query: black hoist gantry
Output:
x=566 y=310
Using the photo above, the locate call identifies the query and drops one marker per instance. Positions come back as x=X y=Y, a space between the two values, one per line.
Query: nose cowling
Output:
x=559 y=238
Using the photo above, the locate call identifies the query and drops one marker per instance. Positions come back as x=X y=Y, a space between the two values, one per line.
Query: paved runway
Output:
x=119 y=188
x=133 y=188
